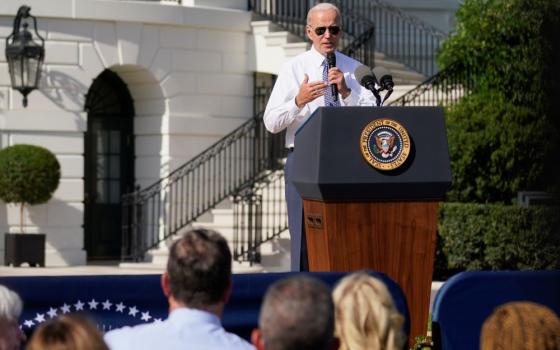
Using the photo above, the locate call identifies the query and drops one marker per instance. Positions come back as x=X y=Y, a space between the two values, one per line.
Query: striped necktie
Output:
x=329 y=101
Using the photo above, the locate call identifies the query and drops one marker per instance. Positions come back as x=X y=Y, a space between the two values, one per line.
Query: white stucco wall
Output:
x=185 y=67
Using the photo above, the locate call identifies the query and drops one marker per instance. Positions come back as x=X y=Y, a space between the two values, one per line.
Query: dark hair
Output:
x=199 y=268
x=297 y=313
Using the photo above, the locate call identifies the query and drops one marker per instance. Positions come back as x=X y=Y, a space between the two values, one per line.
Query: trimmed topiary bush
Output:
x=496 y=237
x=29 y=175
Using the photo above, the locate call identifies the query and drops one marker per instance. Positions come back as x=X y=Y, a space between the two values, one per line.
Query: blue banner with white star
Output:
x=112 y=301
x=124 y=300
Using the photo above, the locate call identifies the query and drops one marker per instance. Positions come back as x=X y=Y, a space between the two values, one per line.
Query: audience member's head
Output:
x=366 y=316
x=67 y=332
x=521 y=325
x=297 y=314
x=198 y=271
x=11 y=336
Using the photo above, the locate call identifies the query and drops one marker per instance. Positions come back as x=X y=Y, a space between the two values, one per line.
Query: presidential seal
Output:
x=385 y=144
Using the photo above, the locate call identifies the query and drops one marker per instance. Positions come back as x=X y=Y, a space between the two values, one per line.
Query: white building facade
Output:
x=129 y=91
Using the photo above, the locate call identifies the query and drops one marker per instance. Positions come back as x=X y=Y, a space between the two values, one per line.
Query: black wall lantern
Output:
x=24 y=55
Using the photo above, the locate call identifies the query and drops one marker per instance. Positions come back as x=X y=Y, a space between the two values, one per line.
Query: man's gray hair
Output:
x=323 y=6
x=10 y=304
x=297 y=313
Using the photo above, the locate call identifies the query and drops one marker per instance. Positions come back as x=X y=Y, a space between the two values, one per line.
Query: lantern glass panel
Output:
x=16 y=69
x=32 y=78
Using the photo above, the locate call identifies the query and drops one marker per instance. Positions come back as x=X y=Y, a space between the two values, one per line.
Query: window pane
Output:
x=115 y=167
x=115 y=141
x=101 y=191
x=115 y=191
x=102 y=142
x=102 y=171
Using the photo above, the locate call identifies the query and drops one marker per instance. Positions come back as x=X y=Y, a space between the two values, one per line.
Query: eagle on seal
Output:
x=385 y=142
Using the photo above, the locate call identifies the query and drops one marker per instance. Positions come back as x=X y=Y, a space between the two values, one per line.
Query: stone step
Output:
x=159 y=267
x=294 y=49
x=291 y=45
x=398 y=91
x=389 y=64
x=263 y=27
x=280 y=38
x=275 y=256
x=407 y=75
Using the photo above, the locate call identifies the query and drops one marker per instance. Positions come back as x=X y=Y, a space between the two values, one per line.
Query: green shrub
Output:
x=29 y=175
x=497 y=149
x=496 y=237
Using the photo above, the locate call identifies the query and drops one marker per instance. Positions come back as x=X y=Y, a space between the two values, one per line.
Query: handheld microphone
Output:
x=331 y=62
x=365 y=77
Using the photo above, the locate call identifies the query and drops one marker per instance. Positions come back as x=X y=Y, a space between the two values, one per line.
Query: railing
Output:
x=155 y=213
x=399 y=36
x=443 y=89
x=291 y=15
x=259 y=215
x=241 y=165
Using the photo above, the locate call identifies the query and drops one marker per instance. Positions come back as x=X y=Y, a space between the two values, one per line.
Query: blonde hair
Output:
x=67 y=332
x=365 y=315
x=521 y=325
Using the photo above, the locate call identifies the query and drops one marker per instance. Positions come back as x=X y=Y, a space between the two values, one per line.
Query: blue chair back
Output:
x=114 y=301
x=465 y=301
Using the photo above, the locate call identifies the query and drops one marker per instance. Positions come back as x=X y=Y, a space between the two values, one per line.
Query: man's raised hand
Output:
x=309 y=91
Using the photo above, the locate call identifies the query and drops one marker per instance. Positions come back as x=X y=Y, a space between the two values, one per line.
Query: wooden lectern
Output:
x=358 y=217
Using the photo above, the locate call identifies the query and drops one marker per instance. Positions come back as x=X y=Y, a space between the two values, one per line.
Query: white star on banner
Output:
x=40 y=318
x=146 y=316
x=107 y=305
x=28 y=323
x=65 y=308
x=120 y=307
x=93 y=304
x=79 y=305
x=157 y=319
x=51 y=312
x=133 y=311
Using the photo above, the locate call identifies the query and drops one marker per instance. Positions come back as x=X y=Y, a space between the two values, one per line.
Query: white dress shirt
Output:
x=282 y=112
x=184 y=329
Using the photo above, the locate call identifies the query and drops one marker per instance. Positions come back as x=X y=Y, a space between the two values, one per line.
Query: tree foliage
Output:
x=504 y=136
x=28 y=174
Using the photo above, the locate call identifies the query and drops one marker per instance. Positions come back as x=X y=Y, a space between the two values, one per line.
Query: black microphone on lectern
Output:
x=331 y=62
x=385 y=81
x=384 y=77
x=365 y=77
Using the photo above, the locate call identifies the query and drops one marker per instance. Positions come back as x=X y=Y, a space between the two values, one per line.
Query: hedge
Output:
x=496 y=237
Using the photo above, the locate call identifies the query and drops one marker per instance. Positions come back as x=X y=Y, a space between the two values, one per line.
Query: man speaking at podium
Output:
x=319 y=77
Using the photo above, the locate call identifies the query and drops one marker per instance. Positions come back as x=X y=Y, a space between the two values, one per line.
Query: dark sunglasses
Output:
x=334 y=30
